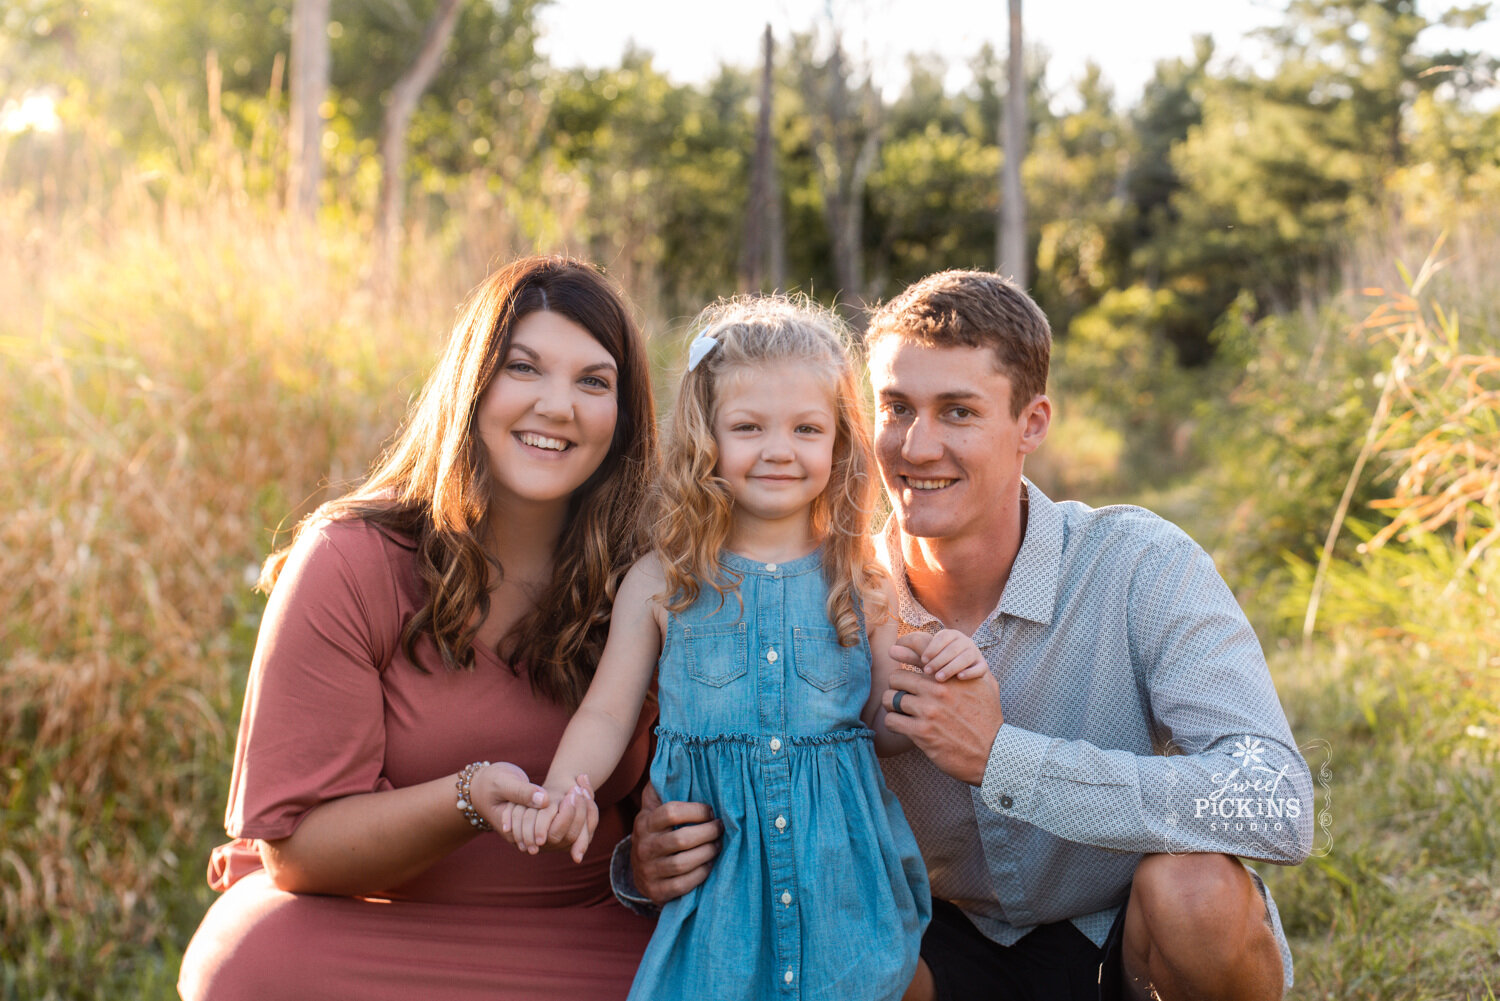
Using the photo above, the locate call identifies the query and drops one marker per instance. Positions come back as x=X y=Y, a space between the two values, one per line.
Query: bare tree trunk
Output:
x=309 y=85
x=846 y=148
x=405 y=94
x=762 y=186
x=775 y=236
x=1012 y=242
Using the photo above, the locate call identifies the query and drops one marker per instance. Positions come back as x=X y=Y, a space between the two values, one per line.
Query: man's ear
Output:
x=1035 y=420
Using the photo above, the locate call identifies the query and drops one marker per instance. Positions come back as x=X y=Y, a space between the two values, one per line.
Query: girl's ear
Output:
x=1035 y=420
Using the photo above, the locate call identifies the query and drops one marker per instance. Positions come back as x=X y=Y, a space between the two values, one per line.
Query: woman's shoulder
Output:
x=356 y=549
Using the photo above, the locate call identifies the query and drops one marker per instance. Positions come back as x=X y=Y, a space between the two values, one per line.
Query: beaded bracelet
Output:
x=465 y=802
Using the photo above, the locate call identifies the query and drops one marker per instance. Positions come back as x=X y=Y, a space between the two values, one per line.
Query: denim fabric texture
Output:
x=818 y=892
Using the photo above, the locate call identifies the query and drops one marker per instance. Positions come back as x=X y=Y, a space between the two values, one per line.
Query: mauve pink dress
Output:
x=334 y=707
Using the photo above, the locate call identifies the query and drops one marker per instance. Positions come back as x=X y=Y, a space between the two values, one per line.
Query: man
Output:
x=1078 y=810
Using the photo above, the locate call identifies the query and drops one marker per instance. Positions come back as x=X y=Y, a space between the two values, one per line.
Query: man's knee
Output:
x=1203 y=909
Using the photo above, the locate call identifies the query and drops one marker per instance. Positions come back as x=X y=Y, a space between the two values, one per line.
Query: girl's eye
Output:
x=744 y=427
x=809 y=429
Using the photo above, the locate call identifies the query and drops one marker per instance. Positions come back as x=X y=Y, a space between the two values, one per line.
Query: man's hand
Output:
x=672 y=846
x=952 y=722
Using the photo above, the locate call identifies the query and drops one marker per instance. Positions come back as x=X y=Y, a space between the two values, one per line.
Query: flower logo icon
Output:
x=1247 y=750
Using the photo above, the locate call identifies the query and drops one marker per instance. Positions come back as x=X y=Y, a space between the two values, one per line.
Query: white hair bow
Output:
x=699 y=349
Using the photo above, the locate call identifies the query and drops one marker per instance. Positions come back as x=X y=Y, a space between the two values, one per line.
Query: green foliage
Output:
x=1280 y=444
x=1077 y=161
x=666 y=168
x=934 y=196
x=1116 y=367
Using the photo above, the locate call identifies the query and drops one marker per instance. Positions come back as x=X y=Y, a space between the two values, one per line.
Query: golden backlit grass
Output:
x=178 y=378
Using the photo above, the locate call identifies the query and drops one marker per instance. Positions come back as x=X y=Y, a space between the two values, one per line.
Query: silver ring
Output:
x=896 y=702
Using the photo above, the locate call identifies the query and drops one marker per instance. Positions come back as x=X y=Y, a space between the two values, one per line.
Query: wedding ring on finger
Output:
x=896 y=702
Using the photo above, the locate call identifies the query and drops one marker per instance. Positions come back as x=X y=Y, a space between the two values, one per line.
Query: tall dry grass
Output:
x=1399 y=673
x=182 y=369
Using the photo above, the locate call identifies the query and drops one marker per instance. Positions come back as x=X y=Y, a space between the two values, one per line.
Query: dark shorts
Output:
x=1055 y=962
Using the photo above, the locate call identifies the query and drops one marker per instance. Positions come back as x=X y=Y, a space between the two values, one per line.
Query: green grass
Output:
x=1406 y=902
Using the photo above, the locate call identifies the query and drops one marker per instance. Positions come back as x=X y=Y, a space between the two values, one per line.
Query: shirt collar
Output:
x=1030 y=592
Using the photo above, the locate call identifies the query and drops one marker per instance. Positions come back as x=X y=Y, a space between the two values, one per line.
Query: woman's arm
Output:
x=373 y=841
x=309 y=787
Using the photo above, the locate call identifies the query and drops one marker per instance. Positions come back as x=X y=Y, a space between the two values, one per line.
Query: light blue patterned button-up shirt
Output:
x=1139 y=717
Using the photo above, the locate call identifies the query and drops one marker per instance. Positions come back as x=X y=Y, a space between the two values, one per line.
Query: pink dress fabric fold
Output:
x=334 y=708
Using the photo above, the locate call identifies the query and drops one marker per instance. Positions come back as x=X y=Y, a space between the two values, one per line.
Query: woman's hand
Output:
x=568 y=821
x=500 y=792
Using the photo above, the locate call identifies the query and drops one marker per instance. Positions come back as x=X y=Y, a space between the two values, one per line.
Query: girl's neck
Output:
x=778 y=541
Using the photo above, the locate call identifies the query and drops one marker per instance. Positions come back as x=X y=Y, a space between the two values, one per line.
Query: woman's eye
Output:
x=596 y=382
x=522 y=367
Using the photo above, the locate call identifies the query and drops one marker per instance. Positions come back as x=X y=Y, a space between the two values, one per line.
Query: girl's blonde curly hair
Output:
x=693 y=505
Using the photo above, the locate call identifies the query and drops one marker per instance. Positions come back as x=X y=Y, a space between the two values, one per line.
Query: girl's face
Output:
x=775 y=431
x=548 y=417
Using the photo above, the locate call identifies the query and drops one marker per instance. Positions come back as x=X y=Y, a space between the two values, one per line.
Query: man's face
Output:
x=949 y=450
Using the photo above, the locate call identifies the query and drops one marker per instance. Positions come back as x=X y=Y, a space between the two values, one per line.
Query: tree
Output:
x=1011 y=242
x=1074 y=180
x=403 y=102
x=844 y=116
x=765 y=250
x=309 y=86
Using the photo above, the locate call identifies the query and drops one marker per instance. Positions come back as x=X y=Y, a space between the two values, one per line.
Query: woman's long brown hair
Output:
x=432 y=485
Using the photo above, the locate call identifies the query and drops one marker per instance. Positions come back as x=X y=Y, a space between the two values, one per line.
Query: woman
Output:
x=445 y=615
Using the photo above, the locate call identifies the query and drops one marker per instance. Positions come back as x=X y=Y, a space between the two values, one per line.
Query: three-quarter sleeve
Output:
x=313 y=726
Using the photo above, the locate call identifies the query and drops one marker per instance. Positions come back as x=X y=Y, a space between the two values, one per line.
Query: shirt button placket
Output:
x=776 y=771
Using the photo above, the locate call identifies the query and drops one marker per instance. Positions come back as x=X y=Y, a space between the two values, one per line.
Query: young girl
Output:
x=760 y=608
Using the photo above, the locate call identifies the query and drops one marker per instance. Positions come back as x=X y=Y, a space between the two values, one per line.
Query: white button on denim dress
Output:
x=818 y=891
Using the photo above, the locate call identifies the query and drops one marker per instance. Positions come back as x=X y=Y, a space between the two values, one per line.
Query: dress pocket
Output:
x=715 y=655
x=819 y=659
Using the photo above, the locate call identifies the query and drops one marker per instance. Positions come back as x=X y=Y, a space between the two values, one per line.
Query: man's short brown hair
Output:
x=974 y=309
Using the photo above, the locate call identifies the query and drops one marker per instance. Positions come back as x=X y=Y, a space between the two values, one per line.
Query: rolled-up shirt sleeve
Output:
x=1228 y=776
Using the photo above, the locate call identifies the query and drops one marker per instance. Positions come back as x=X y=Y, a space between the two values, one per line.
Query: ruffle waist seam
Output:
x=757 y=739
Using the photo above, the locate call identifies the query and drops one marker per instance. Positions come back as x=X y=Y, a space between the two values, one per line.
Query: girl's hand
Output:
x=530 y=824
x=576 y=820
x=946 y=655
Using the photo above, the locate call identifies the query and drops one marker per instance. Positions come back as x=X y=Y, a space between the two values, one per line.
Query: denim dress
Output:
x=818 y=891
